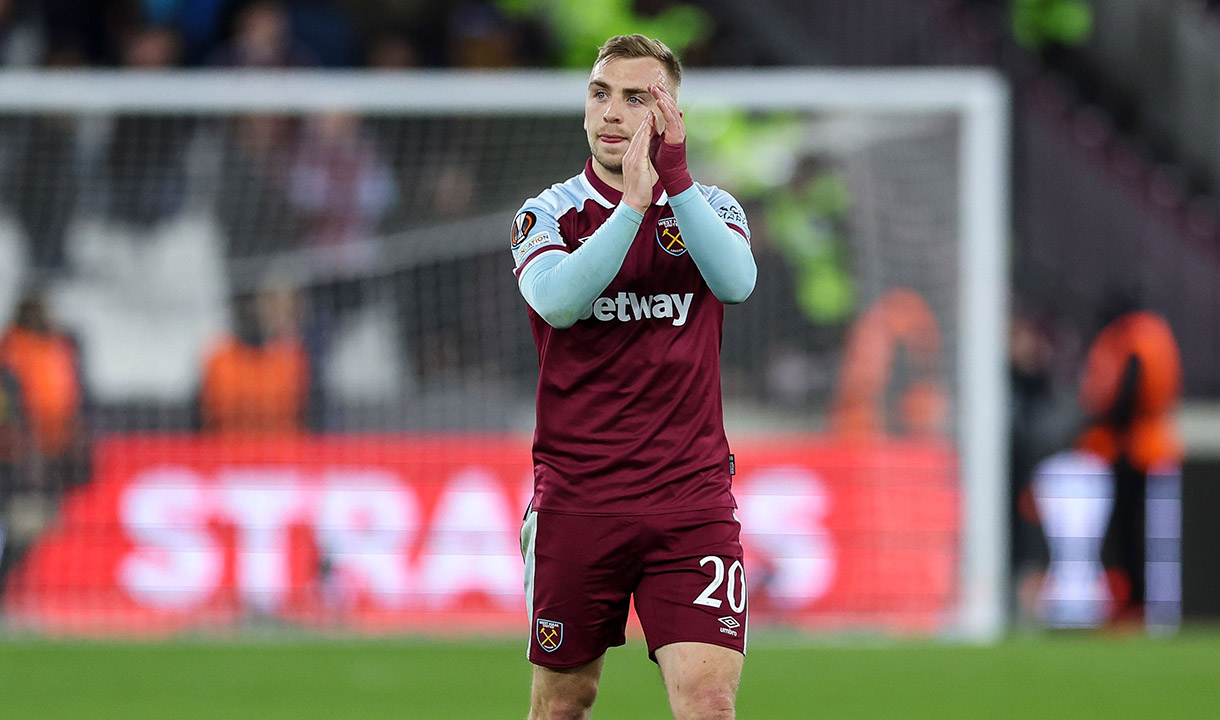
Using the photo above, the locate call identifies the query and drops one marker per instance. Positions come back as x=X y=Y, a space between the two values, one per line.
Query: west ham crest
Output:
x=669 y=237
x=549 y=634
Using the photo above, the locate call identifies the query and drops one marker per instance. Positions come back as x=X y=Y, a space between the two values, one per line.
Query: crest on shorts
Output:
x=669 y=237
x=549 y=634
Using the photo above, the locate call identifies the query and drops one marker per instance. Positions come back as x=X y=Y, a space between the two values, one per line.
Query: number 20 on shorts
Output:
x=735 y=590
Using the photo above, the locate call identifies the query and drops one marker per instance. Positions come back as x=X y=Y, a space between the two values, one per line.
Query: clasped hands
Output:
x=657 y=154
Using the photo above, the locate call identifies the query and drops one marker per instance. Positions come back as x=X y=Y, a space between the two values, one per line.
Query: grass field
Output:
x=1074 y=677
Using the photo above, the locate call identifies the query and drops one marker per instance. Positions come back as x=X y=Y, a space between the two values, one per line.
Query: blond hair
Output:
x=642 y=46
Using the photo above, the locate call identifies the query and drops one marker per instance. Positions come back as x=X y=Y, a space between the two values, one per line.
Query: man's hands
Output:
x=668 y=150
x=638 y=173
x=656 y=154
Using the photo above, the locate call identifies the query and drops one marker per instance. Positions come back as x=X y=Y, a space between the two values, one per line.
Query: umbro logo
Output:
x=729 y=622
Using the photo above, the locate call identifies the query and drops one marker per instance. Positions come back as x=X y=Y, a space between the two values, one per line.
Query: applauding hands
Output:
x=668 y=149
x=638 y=173
x=656 y=153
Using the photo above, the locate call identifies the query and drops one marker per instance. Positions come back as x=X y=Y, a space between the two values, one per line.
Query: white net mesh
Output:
x=354 y=477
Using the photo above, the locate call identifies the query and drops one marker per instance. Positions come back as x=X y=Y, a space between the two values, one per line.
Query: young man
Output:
x=626 y=269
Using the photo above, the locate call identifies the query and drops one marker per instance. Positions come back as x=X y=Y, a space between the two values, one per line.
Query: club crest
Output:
x=549 y=634
x=669 y=237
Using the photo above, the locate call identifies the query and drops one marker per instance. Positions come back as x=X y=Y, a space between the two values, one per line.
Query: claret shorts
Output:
x=684 y=570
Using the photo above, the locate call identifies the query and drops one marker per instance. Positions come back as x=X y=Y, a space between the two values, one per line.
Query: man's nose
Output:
x=614 y=112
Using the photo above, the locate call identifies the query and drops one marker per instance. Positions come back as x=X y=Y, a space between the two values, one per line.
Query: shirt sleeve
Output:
x=562 y=286
x=717 y=237
x=534 y=231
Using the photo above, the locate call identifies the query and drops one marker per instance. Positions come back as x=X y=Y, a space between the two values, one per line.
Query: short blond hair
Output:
x=642 y=46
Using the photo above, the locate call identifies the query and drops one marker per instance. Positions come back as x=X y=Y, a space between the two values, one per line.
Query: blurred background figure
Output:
x=341 y=188
x=1032 y=379
x=44 y=439
x=253 y=205
x=257 y=380
x=392 y=50
x=45 y=363
x=900 y=319
x=262 y=38
x=43 y=185
x=481 y=36
x=146 y=155
x=21 y=41
x=1130 y=391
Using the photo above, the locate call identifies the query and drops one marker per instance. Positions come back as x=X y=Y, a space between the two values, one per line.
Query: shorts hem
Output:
x=664 y=511
x=652 y=651
x=570 y=665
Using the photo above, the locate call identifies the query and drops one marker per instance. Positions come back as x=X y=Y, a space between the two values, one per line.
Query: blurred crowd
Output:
x=304 y=33
x=261 y=33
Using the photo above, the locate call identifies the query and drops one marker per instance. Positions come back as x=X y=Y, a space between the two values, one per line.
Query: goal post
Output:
x=923 y=155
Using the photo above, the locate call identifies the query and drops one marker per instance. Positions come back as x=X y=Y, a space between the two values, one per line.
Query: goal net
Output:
x=306 y=378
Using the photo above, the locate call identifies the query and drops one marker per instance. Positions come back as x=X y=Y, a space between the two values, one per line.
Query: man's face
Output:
x=617 y=102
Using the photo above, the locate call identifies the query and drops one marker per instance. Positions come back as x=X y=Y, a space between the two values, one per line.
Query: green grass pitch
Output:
x=1073 y=677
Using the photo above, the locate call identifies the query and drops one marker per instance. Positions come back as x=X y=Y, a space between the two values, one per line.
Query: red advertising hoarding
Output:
x=421 y=534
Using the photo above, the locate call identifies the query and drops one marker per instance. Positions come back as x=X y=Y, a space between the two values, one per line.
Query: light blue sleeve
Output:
x=561 y=286
x=721 y=252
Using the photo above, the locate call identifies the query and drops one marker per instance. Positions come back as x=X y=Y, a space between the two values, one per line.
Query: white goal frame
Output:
x=980 y=98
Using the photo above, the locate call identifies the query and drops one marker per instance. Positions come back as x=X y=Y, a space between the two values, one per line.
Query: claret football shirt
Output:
x=629 y=409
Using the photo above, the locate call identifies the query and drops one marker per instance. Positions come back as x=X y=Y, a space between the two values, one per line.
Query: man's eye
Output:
x=600 y=95
x=635 y=99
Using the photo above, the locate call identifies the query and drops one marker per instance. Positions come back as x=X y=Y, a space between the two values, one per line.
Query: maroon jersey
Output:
x=630 y=420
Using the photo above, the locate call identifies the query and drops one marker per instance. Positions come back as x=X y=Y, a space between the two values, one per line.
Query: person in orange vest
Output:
x=898 y=319
x=1129 y=392
x=257 y=380
x=44 y=443
x=45 y=367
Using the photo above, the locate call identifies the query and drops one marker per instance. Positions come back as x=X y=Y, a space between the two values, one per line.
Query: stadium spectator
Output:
x=391 y=50
x=262 y=38
x=42 y=183
x=257 y=380
x=44 y=442
x=146 y=154
x=1129 y=391
x=1034 y=435
x=480 y=36
x=42 y=174
x=21 y=37
x=45 y=363
x=341 y=188
x=252 y=203
x=199 y=23
x=632 y=468
x=899 y=318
